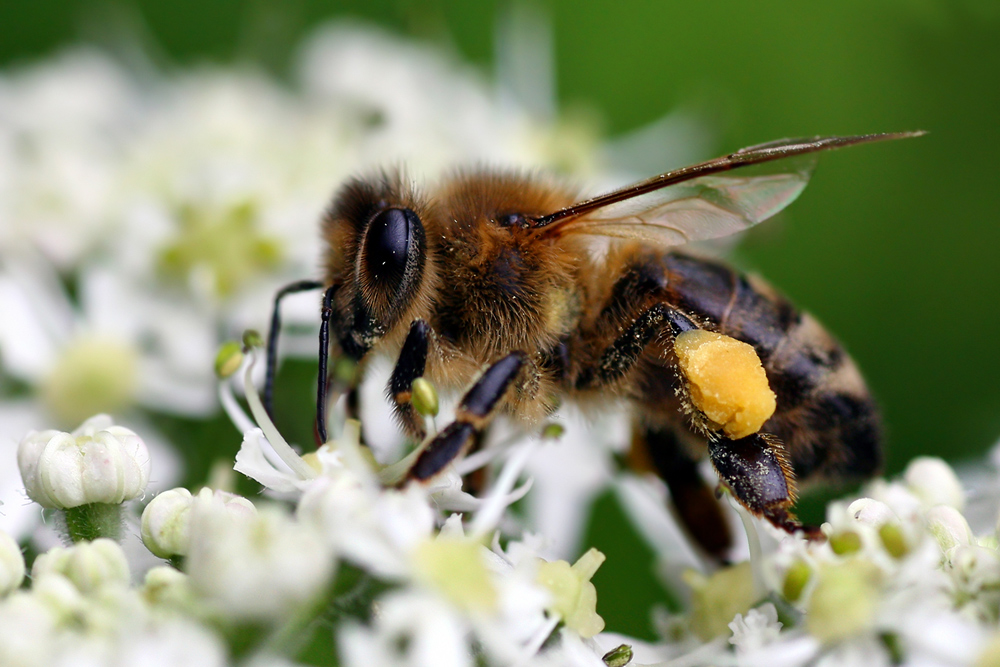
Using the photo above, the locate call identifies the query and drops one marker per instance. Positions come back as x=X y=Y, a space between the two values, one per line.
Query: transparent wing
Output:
x=695 y=203
x=705 y=208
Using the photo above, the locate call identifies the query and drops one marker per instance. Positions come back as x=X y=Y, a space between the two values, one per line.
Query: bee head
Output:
x=377 y=254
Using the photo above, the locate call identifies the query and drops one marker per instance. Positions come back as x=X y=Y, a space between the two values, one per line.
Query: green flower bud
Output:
x=97 y=463
x=553 y=431
x=252 y=339
x=893 y=539
x=618 y=657
x=424 y=397
x=229 y=359
x=11 y=564
x=845 y=542
x=796 y=578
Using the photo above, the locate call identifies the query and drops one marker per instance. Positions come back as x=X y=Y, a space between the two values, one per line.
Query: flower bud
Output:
x=618 y=656
x=96 y=463
x=424 y=397
x=166 y=519
x=88 y=565
x=11 y=565
x=229 y=359
x=796 y=578
x=554 y=431
x=166 y=587
x=252 y=339
x=934 y=482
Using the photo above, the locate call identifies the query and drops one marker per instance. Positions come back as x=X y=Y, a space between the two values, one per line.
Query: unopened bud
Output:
x=166 y=521
x=893 y=539
x=252 y=339
x=796 y=578
x=229 y=359
x=948 y=527
x=96 y=463
x=424 y=397
x=553 y=431
x=11 y=564
x=845 y=542
x=619 y=656
x=934 y=482
x=89 y=565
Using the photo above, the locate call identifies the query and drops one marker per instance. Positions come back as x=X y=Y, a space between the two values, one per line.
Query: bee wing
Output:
x=709 y=207
x=700 y=205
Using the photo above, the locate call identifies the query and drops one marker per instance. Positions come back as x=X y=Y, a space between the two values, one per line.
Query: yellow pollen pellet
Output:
x=726 y=381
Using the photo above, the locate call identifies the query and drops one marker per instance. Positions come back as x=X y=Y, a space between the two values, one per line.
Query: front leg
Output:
x=409 y=366
x=473 y=415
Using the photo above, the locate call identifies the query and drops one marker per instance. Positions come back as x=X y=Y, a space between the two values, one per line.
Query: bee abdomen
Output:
x=825 y=415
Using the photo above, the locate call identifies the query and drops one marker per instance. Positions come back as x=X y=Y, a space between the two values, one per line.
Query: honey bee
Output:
x=507 y=286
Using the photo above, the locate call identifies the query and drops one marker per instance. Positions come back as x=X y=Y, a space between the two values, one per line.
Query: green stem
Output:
x=86 y=523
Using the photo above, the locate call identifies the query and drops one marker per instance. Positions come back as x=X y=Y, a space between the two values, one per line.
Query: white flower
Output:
x=411 y=629
x=11 y=565
x=27 y=631
x=757 y=629
x=262 y=567
x=96 y=463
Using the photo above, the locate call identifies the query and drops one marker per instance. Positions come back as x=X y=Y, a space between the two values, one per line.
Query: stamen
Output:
x=753 y=542
x=278 y=443
x=499 y=498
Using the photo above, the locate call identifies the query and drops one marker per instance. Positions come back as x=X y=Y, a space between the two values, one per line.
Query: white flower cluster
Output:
x=900 y=579
x=143 y=220
x=177 y=205
x=393 y=576
x=398 y=581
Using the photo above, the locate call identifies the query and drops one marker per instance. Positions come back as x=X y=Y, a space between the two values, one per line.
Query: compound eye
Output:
x=387 y=246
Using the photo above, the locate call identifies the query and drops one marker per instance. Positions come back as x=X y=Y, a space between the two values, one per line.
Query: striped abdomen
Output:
x=825 y=415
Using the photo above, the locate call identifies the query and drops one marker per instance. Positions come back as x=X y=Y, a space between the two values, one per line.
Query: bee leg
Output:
x=621 y=356
x=694 y=500
x=757 y=471
x=410 y=366
x=323 y=383
x=474 y=413
x=272 y=337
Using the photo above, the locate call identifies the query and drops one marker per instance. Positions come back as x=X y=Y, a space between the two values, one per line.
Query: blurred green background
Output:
x=893 y=246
